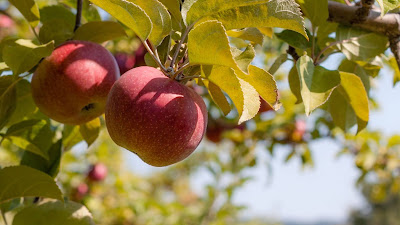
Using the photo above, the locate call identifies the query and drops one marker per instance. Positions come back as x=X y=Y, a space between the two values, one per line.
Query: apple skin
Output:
x=159 y=119
x=98 y=172
x=71 y=85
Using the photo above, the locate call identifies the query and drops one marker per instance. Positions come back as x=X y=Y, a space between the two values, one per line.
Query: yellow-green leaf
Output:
x=208 y=44
x=315 y=10
x=316 y=83
x=27 y=146
x=238 y=14
x=29 y=9
x=250 y=34
x=387 y=5
x=54 y=212
x=218 y=96
x=8 y=99
x=357 y=97
x=294 y=84
x=244 y=96
x=99 y=31
x=341 y=111
x=396 y=71
x=160 y=18
x=244 y=58
x=173 y=7
x=267 y=31
x=129 y=14
x=23 y=181
x=22 y=55
x=90 y=131
x=264 y=83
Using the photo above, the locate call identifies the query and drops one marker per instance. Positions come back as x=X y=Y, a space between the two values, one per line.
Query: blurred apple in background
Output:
x=125 y=61
x=98 y=172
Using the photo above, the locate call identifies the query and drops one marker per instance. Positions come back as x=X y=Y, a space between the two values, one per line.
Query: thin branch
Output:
x=326 y=49
x=387 y=25
x=395 y=47
x=180 y=70
x=36 y=34
x=78 y=14
x=180 y=44
x=163 y=69
x=292 y=51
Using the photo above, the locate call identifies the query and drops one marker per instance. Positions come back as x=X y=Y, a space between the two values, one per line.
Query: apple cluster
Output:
x=146 y=112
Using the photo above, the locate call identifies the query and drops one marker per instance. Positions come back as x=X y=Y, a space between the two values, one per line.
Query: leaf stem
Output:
x=314 y=30
x=78 y=14
x=146 y=45
x=187 y=65
x=180 y=44
x=328 y=47
x=36 y=34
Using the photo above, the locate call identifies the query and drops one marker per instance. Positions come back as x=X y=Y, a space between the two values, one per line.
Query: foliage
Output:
x=209 y=45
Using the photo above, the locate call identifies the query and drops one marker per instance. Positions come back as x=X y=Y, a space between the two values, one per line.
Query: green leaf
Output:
x=90 y=131
x=71 y=136
x=23 y=181
x=25 y=106
x=315 y=10
x=341 y=111
x=99 y=31
x=357 y=97
x=243 y=95
x=294 y=84
x=244 y=58
x=22 y=55
x=210 y=35
x=50 y=166
x=237 y=14
x=218 y=97
x=173 y=7
x=129 y=14
x=29 y=9
x=250 y=34
x=54 y=212
x=294 y=39
x=8 y=98
x=160 y=18
x=3 y=67
x=20 y=127
x=58 y=24
x=387 y=5
x=393 y=141
x=359 y=44
x=278 y=63
x=316 y=83
x=27 y=146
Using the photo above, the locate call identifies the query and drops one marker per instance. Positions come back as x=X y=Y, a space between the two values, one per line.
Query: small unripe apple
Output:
x=72 y=84
x=125 y=61
x=159 y=119
x=98 y=172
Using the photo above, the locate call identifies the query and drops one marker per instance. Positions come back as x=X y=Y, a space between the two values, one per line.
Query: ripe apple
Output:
x=214 y=132
x=72 y=84
x=98 y=172
x=80 y=192
x=125 y=61
x=6 y=22
x=300 y=128
x=139 y=56
x=159 y=119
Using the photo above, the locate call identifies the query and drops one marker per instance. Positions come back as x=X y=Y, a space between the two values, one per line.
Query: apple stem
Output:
x=163 y=69
x=180 y=44
x=180 y=70
x=78 y=14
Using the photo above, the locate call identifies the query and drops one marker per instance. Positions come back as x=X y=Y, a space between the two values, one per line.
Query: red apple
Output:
x=72 y=84
x=139 y=56
x=6 y=22
x=159 y=119
x=125 y=61
x=98 y=172
x=214 y=132
x=300 y=128
x=80 y=192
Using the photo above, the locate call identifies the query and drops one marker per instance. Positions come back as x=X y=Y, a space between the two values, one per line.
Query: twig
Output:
x=36 y=34
x=78 y=14
x=292 y=51
x=164 y=70
x=326 y=49
x=395 y=47
x=180 y=44
x=187 y=65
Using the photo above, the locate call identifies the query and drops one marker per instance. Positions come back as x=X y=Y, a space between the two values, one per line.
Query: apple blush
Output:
x=159 y=119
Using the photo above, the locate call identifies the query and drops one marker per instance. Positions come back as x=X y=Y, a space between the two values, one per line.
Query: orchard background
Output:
x=55 y=173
